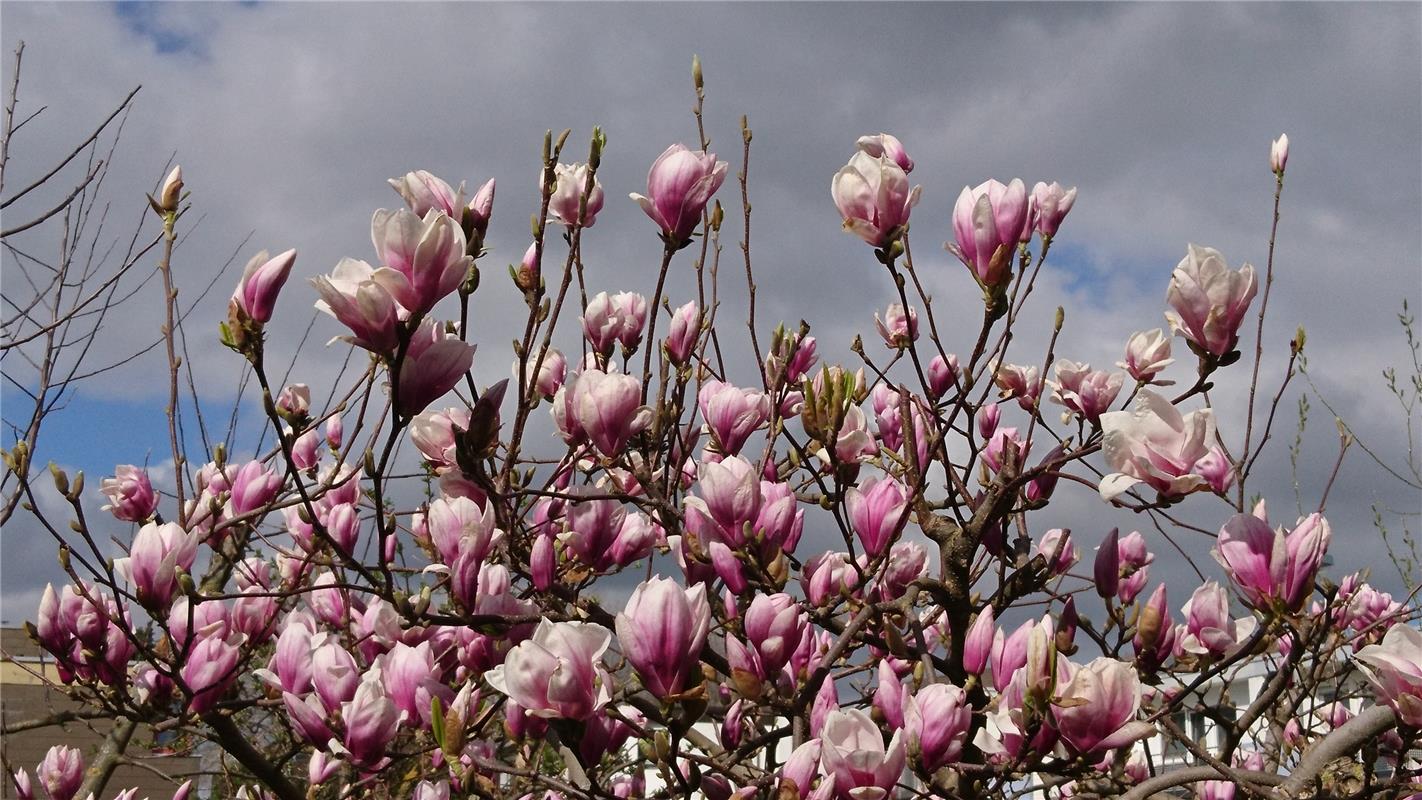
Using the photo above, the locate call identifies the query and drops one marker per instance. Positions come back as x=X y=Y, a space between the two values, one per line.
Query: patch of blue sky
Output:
x=1089 y=274
x=155 y=22
x=96 y=434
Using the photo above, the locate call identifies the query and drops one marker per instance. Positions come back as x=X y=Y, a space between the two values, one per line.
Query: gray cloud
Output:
x=287 y=119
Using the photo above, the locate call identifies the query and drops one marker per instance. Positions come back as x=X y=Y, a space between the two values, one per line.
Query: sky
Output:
x=288 y=118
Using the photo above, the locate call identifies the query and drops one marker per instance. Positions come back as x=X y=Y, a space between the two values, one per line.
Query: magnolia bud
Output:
x=1279 y=154
x=172 y=190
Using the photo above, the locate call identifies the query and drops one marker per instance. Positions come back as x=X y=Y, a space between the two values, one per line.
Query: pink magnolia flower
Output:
x=433 y=434
x=1134 y=569
x=557 y=673
x=1037 y=673
x=543 y=561
x=897 y=329
x=791 y=356
x=979 y=643
x=304 y=451
x=206 y=617
x=434 y=363
x=1273 y=568
x=1335 y=715
x=1052 y=202
x=131 y=495
x=23 y=788
x=661 y=632
x=602 y=533
x=1021 y=382
x=79 y=631
x=290 y=668
x=877 y=512
x=610 y=319
x=988 y=222
x=1216 y=469
x=826 y=702
x=214 y=479
x=327 y=602
x=1394 y=667
x=728 y=568
x=551 y=372
x=803 y=766
x=1369 y=611
x=774 y=625
x=1109 y=692
x=1155 y=444
x=1004 y=441
x=61 y=773
x=254 y=614
x=480 y=209
x=423 y=192
x=211 y=667
x=457 y=523
x=731 y=413
x=907 y=562
x=679 y=185
x=308 y=718
x=728 y=498
x=431 y=791
x=685 y=329
x=854 y=754
x=886 y=145
x=889 y=697
x=937 y=719
x=424 y=257
x=873 y=196
x=157 y=553
x=570 y=180
x=1147 y=353
x=602 y=408
x=1057 y=548
x=371 y=721
x=889 y=421
x=942 y=374
x=334 y=672
x=256 y=293
x=1083 y=390
x=827 y=576
x=410 y=677
x=1155 y=636
x=254 y=485
x=353 y=296
x=1009 y=653
x=1208 y=629
x=529 y=274
x=1279 y=154
x=1209 y=300
x=294 y=401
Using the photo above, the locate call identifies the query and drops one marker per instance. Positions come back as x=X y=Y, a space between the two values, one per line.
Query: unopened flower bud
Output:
x=1279 y=154
x=172 y=190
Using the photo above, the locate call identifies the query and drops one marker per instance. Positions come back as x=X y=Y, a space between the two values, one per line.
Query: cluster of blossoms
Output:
x=466 y=639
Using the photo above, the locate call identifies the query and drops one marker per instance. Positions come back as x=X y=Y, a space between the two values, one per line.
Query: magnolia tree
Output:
x=597 y=583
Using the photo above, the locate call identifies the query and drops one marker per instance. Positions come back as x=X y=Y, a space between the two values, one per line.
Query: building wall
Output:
x=27 y=692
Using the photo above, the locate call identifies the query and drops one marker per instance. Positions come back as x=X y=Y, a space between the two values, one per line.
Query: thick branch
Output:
x=1347 y=739
x=1179 y=777
x=263 y=770
x=102 y=767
